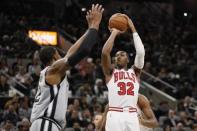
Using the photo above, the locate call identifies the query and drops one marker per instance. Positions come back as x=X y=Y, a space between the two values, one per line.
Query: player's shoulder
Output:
x=141 y=96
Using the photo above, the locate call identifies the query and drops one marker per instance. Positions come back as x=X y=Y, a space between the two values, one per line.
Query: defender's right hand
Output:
x=94 y=16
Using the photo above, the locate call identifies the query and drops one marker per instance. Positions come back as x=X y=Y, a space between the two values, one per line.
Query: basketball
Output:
x=118 y=21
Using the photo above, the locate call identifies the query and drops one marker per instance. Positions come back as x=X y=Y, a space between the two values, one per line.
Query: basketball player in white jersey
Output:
x=146 y=116
x=122 y=83
x=49 y=109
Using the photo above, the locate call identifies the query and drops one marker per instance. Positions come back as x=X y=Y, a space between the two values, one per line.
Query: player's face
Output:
x=121 y=59
x=97 y=120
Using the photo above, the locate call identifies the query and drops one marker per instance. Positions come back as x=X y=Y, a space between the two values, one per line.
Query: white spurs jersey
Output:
x=123 y=88
x=51 y=100
x=143 y=128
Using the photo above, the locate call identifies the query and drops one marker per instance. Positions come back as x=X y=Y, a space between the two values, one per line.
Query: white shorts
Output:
x=122 y=121
x=39 y=125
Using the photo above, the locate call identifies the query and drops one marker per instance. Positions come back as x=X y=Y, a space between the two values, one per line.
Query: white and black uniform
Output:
x=49 y=108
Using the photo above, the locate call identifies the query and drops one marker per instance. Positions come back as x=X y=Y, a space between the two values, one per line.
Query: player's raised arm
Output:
x=79 y=50
x=105 y=56
x=150 y=120
x=139 y=47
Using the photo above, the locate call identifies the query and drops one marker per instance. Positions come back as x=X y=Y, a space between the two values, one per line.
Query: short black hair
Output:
x=46 y=54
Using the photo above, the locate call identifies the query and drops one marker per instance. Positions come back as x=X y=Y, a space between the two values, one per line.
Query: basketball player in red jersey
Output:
x=122 y=83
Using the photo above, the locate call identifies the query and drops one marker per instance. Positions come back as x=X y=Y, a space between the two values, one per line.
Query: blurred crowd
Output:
x=171 y=55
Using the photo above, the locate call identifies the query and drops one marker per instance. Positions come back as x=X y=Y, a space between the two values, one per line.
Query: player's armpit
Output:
x=137 y=71
x=57 y=71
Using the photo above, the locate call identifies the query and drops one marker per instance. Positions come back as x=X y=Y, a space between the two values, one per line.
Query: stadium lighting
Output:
x=83 y=9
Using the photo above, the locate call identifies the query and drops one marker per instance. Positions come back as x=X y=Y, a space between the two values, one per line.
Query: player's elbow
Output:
x=139 y=61
x=140 y=53
x=105 y=53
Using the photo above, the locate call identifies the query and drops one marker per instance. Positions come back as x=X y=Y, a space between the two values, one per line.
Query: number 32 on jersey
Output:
x=125 y=88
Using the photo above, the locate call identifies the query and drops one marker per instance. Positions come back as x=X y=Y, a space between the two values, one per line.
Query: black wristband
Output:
x=89 y=41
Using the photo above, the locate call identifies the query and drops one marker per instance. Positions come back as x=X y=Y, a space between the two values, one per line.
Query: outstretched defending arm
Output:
x=79 y=50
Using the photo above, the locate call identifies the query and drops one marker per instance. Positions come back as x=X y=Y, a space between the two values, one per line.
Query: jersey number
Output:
x=123 y=88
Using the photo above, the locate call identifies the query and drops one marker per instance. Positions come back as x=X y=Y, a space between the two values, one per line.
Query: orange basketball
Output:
x=118 y=21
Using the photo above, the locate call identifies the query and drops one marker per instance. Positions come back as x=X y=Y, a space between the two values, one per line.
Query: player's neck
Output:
x=119 y=67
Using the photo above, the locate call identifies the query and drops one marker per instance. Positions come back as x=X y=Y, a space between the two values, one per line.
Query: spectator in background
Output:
x=163 y=109
x=195 y=117
x=90 y=127
x=99 y=88
x=86 y=118
x=24 y=109
x=180 y=127
x=34 y=68
x=167 y=128
x=8 y=126
x=184 y=119
x=24 y=125
x=172 y=119
x=187 y=103
x=97 y=120
x=76 y=126
x=3 y=65
x=73 y=118
x=4 y=87
x=23 y=77
x=98 y=72
x=10 y=114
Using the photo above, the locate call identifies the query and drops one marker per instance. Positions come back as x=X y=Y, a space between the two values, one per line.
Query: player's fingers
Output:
x=96 y=7
x=93 y=7
x=99 y=8
x=102 y=10
x=125 y=16
x=87 y=14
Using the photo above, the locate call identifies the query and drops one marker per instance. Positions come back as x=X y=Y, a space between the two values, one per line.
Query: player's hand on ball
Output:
x=116 y=31
x=130 y=23
x=94 y=16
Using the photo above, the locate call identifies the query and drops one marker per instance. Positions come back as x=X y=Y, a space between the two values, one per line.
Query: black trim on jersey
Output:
x=42 y=125
x=62 y=79
x=50 y=126
x=53 y=121
x=55 y=103
x=52 y=94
